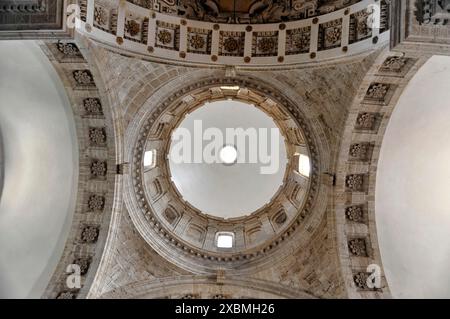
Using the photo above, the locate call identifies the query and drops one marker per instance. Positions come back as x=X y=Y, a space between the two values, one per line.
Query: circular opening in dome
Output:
x=228 y=154
x=227 y=158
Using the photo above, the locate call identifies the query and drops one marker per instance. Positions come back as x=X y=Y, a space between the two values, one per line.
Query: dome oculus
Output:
x=228 y=154
x=236 y=159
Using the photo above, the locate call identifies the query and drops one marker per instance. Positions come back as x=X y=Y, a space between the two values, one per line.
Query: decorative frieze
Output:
x=264 y=44
x=87 y=107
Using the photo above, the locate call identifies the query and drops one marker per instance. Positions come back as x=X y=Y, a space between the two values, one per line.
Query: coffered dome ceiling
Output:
x=161 y=208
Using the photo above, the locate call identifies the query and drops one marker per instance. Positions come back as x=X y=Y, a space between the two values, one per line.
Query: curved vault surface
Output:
x=412 y=201
x=41 y=169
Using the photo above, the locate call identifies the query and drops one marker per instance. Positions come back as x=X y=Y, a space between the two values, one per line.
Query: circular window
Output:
x=227 y=158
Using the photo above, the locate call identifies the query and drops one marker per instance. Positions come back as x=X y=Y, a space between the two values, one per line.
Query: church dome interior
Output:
x=223 y=149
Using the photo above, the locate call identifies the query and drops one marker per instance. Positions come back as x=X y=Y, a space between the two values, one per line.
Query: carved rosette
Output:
x=377 y=91
x=355 y=182
x=96 y=202
x=197 y=42
x=83 y=78
x=92 y=107
x=165 y=37
x=333 y=35
x=97 y=136
x=358 y=247
x=396 y=65
x=360 y=279
x=266 y=44
x=366 y=121
x=69 y=49
x=89 y=234
x=98 y=168
x=354 y=213
x=84 y=264
x=132 y=27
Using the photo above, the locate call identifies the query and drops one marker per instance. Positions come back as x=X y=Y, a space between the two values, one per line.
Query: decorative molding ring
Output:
x=167 y=38
x=182 y=287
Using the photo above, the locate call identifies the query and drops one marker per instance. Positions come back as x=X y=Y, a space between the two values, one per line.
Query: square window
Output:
x=224 y=240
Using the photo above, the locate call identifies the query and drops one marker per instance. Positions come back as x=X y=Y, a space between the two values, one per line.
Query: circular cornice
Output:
x=183 y=253
x=207 y=287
